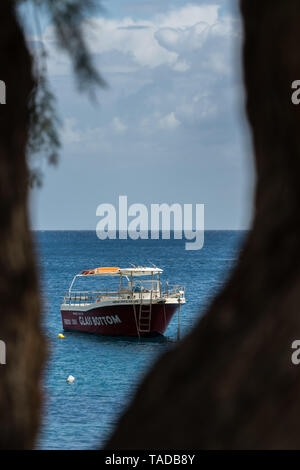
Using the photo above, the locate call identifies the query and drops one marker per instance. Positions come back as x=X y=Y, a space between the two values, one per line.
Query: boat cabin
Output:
x=133 y=284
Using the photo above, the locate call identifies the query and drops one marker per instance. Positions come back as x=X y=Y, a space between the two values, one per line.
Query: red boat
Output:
x=136 y=308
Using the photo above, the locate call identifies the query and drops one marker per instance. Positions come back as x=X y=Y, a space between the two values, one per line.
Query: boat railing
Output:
x=174 y=290
x=87 y=297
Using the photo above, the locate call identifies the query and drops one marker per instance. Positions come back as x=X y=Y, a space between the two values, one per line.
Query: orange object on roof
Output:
x=95 y=271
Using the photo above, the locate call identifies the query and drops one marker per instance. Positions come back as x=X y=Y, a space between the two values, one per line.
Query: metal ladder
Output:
x=145 y=315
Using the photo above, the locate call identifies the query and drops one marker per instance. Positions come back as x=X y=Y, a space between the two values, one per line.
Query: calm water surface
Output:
x=107 y=370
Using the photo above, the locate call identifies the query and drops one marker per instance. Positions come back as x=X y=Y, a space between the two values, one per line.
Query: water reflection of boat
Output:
x=138 y=307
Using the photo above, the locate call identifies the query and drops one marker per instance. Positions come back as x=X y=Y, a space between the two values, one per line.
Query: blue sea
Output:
x=107 y=370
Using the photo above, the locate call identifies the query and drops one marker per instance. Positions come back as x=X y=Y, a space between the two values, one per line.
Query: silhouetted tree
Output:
x=66 y=18
x=28 y=120
x=231 y=383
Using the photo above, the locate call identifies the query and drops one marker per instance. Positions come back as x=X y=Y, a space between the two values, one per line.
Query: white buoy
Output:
x=70 y=379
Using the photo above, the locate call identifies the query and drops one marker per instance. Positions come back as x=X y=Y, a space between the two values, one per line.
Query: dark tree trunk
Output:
x=20 y=307
x=231 y=383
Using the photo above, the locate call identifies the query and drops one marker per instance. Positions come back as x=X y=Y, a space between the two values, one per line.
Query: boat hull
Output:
x=117 y=320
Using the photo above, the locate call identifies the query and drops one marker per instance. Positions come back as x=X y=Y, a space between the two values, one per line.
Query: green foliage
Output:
x=67 y=17
x=44 y=143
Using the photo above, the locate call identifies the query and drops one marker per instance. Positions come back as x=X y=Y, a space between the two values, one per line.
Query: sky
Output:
x=170 y=127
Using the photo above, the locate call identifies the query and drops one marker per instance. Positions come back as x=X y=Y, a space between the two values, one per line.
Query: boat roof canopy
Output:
x=132 y=271
x=140 y=271
x=101 y=272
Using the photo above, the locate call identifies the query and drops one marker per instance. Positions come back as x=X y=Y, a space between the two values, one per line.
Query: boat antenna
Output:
x=154 y=265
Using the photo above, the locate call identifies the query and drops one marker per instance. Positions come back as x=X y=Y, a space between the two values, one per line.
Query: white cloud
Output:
x=181 y=40
x=70 y=134
x=181 y=66
x=118 y=125
x=174 y=90
x=139 y=44
x=143 y=42
x=148 y=43
x=169 y=122
x=165 y=73
x=190 y=15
